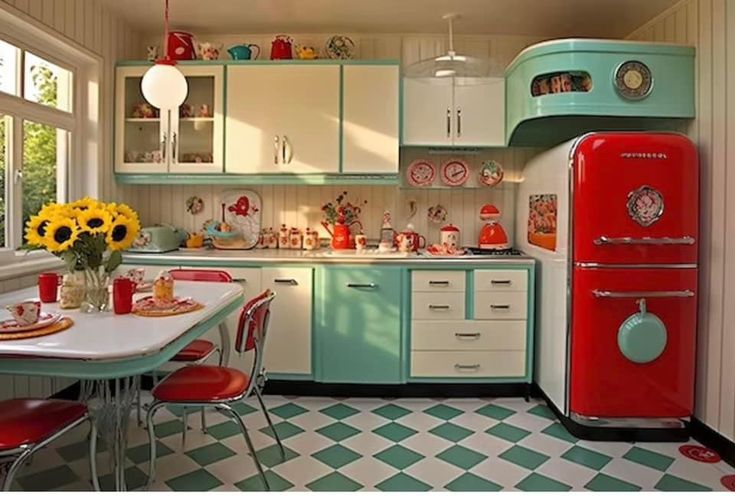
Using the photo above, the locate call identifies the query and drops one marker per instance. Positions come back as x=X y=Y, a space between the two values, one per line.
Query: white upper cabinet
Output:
x=427 y=111
x=370 y=121
x=188 y=139
x=479 y=112
x=282 y=119
x=449 y=112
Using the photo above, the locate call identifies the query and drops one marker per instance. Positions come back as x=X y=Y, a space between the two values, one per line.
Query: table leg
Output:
x=111 y=406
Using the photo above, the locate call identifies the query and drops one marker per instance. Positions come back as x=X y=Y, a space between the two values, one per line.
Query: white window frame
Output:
x=84 y=154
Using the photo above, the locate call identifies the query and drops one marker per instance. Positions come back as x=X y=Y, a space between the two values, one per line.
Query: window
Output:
x=36 y=120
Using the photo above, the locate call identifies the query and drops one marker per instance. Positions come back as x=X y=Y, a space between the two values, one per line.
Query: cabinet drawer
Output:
x=501 y=305
x=437 y=306
x=467 y=364
x=438 y=280
x=469 y=335
x=501 y=280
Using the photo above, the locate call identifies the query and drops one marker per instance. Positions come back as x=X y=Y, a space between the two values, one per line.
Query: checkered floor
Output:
x=382 y=444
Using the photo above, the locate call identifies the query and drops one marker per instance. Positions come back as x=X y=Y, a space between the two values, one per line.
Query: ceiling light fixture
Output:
x=163 y=85
x=453 y=65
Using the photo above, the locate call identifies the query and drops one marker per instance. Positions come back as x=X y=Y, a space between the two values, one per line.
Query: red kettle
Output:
x=282 y=47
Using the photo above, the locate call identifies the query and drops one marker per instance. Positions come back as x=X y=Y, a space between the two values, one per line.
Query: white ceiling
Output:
x=549 y=18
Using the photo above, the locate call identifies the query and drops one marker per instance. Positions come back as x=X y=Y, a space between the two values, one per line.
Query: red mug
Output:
x=48 y=287
x=122 y=295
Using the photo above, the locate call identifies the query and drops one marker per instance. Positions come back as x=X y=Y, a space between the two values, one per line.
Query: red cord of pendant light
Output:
x=165 y=59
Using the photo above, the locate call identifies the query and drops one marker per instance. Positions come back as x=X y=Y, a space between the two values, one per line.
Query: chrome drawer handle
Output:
x=438 y=283
x=504 y=281
x=371 y=285
x=500 y=307
x=460 y=335
x=439 y=307
x=474 y=366
x=241 y=280
x=643 y=294
x=605 y=240
x=290 y=282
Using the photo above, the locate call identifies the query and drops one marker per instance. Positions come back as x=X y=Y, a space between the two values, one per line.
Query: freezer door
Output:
x=633 y=341
x=635 y=198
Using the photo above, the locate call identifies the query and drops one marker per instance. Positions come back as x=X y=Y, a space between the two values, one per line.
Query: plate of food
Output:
x=44 y=320
x=420 y=173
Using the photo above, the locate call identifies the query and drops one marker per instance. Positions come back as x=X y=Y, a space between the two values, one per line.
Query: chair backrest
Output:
x=253 y=327
x=200 y=275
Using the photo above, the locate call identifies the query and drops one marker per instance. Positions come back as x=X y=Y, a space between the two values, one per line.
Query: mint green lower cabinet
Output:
x=358 y=325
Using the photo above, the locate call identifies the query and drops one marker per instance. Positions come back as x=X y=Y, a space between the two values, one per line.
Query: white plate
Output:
x=44 y=320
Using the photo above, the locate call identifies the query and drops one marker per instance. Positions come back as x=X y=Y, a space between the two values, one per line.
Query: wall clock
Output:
x=633 y=80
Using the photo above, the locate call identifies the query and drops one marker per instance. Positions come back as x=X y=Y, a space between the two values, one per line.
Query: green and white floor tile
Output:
x=388 y=445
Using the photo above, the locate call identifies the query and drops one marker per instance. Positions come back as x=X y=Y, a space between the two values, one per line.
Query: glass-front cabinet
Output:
x=187 y=140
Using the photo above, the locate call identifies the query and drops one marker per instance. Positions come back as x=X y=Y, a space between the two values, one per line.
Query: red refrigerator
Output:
x=629 y=218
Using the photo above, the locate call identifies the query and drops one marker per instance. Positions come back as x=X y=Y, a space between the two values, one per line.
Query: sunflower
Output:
x=36 y=230
x=61 y=233
x=54 y=209
x=85 y=203
x=122 y=209
x=122 y=233
x=94 y=220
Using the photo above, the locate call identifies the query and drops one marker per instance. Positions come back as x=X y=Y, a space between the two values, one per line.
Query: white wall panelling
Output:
x=710 y=26
x=88 y=24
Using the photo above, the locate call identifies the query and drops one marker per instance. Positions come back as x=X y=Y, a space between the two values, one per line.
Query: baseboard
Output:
x=714 y=440
x=413 y=390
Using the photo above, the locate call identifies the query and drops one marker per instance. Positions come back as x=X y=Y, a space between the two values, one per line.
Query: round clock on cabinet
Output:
x=633 y=80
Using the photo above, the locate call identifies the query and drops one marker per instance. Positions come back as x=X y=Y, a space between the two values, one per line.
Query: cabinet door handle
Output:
x=290 y=282
x=241 y=280
x=449 y=122
x=459 y=123
x=439 y=307
x=276 y=147
x=460 y=335
x=504 y=281
x=163 y=145
x=287 y=157
x=356 y=285
x=438 y=283
x=173 y=146
x=500 y=307
x=474 y=366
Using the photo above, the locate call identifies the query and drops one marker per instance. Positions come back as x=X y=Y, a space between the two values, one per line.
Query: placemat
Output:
x=62 y=325
x=143 y=308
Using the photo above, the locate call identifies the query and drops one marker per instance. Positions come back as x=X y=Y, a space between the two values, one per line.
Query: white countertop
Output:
x=106 y=336
x=315 y=257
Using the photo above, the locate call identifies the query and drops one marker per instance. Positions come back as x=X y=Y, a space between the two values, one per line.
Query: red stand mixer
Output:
x=492 y=234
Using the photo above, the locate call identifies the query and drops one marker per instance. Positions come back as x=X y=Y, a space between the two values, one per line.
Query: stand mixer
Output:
x=492 y=234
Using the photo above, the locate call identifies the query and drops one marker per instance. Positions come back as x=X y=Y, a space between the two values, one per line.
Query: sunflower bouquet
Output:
x=88 y=236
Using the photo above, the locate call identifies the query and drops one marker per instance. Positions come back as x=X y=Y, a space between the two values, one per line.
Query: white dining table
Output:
x=109 y=352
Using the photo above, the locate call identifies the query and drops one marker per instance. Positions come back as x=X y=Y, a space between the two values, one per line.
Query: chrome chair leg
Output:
x=234 y=415
x=152 y=409
x=14 y=467
x=93 y=455
x=138 y=405
x=270 y=423
x=185 y=420
x=204 y=421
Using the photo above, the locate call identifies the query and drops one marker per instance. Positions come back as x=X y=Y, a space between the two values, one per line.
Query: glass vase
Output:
x=96 y=291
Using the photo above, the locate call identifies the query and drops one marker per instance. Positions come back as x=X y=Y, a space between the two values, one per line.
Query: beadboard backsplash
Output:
x=300 y=206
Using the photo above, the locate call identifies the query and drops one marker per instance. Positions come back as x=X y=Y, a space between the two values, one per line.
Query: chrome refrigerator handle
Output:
x=606 y=240
x=642 y=294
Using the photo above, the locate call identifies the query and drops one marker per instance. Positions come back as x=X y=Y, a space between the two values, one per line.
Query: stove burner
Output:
x=507 y=252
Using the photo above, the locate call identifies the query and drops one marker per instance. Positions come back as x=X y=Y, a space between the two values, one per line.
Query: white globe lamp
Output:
x=164 y=86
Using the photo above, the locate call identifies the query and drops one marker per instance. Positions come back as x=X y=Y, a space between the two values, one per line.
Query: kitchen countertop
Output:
x=314 y=257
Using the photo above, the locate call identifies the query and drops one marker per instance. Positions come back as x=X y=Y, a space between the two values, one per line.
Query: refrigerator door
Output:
x=633 y=342
x=636 y=199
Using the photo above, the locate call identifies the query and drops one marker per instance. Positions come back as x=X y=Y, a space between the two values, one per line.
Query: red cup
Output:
x=48 y=287
x=122 y=295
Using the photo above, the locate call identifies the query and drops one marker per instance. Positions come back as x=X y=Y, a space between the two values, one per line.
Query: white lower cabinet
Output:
x=447 y=341
x=288 y=343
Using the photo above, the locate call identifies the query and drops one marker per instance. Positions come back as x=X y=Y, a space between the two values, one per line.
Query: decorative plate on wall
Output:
x=455 y=172
x=420 y=173
x=491 y=173
x=241 y=209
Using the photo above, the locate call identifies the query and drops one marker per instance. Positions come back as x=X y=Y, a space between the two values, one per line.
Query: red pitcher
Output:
x=342 y=238
x=281 y=47
x=180 y=46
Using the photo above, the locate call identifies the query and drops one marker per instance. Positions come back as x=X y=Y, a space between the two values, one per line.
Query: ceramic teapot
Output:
x=244 y=52
x=282 y=47
x=306 y=52
x=209 y=51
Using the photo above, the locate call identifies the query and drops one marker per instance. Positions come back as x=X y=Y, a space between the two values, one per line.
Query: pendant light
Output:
x=163 y=85
x=452 y=64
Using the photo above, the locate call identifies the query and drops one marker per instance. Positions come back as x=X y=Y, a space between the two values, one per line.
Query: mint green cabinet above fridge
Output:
x=358 y=325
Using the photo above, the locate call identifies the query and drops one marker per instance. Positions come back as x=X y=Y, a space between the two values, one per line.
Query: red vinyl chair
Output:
x=222 y=387
x=199 y=350
x=28 y=425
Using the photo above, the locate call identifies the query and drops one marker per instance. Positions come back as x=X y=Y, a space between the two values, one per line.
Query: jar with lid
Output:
x=71 y=294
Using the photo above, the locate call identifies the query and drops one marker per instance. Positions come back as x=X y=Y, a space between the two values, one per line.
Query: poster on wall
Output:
x=542 y=221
